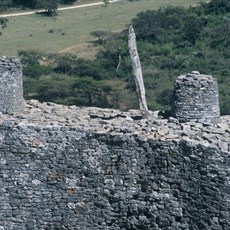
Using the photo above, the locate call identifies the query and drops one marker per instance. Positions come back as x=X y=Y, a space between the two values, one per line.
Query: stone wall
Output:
x=196 y=98
x=88 y=168
x=11 y=92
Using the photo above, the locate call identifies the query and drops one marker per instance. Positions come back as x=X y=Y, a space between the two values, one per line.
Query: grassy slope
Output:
x=72 y=27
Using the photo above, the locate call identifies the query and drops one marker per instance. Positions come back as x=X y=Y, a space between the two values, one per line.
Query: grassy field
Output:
x=72 y=27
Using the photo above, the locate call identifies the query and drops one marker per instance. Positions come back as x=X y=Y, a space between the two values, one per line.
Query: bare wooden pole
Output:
x=119 y=63
x=137 y=71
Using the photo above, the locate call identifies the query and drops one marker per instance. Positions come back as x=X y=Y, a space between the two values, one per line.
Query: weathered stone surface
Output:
x=196 y=98
x=11 y=92
x=90 y=168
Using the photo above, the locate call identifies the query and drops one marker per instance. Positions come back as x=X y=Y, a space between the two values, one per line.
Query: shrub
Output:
x=36 y=70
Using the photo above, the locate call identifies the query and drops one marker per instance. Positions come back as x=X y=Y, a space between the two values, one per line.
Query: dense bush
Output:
x=65 y=81
x=217 y=6
x=33 y=4
x=36 y=70
x=3 y=23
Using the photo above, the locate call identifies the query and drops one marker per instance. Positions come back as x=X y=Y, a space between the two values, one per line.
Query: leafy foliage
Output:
x=65 y=80
x=217 y=6
x=49 y=5
x=38 y=3
x=66 y=1
x=5 y=4
x=3 y=22
x=171 y=41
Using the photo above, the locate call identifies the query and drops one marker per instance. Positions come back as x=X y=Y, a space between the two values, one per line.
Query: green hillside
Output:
x=72 y=27
x=172 y=40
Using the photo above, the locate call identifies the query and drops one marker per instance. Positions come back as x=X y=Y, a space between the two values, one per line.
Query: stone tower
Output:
x=11 y=91
x=196 y=98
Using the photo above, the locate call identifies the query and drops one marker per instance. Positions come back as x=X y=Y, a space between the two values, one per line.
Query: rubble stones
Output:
x=44 y=115
x=89 y=168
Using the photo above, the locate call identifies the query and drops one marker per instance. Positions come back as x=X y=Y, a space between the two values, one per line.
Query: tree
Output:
x=3 y=24
x=106 y=2
x=192 y=28
x=38 y=3
x=54 y=87
x=67 y=1
x=156 y=25
x=49 y=5
x=90 y=92
x=25 y=3
x=29 y=57
x=5 y=4
x=65 y=64
x=219 y=6
x=221 y=35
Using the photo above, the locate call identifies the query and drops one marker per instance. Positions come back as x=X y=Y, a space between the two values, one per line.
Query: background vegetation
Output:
x=171 y=41
x=71 y=29
x=33 y=4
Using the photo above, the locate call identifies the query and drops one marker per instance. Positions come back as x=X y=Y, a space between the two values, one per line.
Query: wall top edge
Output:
x=47 y=115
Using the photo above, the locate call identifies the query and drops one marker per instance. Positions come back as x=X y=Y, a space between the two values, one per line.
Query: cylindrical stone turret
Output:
x=11 y=89
x=196 y=98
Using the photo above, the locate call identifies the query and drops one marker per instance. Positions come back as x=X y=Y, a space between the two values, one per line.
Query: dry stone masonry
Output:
x=196 y=98
x=89 y=168
x=66 y=167
x=11 y=92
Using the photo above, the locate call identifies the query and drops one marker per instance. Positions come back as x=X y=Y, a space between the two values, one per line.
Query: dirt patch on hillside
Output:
x=85 y=50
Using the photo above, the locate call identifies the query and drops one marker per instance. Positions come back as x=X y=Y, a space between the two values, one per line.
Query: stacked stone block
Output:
x=87 y=168
x=196 y=98
x=61 y=178
x=11 y=90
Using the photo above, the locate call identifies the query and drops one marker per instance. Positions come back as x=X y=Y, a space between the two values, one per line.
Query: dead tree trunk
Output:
x=137 y=71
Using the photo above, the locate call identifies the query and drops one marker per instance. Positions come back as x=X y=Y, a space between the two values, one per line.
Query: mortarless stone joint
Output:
x=11 y=90
x=196 y=98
